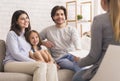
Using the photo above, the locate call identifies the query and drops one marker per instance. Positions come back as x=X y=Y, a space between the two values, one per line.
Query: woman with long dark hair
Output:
x=17 y=51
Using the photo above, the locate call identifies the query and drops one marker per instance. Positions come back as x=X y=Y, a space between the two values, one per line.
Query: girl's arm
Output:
x=31 y=55
x=49 y=56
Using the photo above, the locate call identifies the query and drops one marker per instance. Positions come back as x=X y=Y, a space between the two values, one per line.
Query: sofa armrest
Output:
x=2 y=53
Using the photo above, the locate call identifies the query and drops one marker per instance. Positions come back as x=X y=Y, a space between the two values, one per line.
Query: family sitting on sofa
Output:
x=25 y=53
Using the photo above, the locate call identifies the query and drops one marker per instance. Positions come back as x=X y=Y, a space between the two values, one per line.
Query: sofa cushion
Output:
x=65 y=75
x=110 y=66
x=2 y=53
x=15 y=77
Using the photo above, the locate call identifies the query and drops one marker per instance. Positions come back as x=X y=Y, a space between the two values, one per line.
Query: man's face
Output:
x=59 y=17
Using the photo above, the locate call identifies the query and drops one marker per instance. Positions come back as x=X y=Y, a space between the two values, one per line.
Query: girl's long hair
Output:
x=27 y=37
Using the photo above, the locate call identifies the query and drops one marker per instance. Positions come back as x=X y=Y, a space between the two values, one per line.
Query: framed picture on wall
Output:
x=86 y=12
x=71 y=7
x=71 y=10
x=85 y=8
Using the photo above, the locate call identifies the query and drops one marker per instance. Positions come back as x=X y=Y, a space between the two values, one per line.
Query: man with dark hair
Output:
x=58 y=8
x=61 y=38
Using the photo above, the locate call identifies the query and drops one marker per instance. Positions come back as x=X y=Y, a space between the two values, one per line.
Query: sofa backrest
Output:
x=2 y=53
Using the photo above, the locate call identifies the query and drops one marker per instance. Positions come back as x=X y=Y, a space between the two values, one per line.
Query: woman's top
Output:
x=17 y=48
x=101 y=36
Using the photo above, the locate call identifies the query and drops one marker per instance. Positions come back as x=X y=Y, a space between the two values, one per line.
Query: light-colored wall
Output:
x=38 y=10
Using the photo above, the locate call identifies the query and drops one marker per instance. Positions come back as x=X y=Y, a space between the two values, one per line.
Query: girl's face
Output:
x=34 y=39
x=23 y=21
x=59 y=17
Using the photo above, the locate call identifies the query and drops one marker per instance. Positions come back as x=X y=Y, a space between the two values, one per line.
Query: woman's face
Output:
x=23 y=21
x=34 y=39
x=59 y=17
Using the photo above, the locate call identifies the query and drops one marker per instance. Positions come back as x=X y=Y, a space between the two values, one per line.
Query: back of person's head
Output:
x=114 y=10
x=56 y=8
x=27 y=37
x=105 y=5
x=14 y=26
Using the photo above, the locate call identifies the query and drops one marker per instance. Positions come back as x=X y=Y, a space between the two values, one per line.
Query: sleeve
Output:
x=13 y=47
x=76 y=38
x=96 y=44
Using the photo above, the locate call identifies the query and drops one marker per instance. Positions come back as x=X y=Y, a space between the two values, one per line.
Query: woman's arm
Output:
x=15 y=49
x=96 y=44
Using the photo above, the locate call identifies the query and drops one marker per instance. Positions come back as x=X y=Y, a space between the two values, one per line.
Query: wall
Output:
x=38 y=10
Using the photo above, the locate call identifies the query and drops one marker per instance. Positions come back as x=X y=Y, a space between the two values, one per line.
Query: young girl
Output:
x=37 y=52
x=40 y=53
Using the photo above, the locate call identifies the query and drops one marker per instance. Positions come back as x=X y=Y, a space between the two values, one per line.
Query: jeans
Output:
x=67 y=62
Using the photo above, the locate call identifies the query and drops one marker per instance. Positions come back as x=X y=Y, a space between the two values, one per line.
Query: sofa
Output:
x=63 y=74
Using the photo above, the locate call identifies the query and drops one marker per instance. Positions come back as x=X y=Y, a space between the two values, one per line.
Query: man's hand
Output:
x=48 y=44
x=76 y=59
